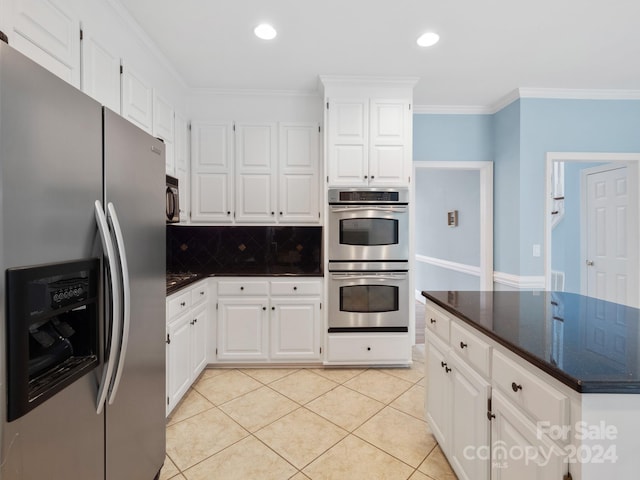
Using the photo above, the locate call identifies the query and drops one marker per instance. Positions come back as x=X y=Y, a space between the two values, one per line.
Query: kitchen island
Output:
x=552 y=378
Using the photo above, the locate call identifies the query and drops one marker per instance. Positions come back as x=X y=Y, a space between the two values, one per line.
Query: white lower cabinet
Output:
x=268 y=320
x=188 y=316
x=519 y=450
x=485 y=409
x=457 y=401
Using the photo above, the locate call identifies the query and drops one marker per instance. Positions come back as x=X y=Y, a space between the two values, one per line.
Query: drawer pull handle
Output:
x=447 y=369
x=433 y=320
x=463 y=345
x=515 y=387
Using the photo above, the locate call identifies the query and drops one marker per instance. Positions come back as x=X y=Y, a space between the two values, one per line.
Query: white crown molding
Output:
x=579 y=94
x=452 y=110
x=138 y=31
x=240 y=92
x=536 y=282
x=508 y=99
x=368 y=80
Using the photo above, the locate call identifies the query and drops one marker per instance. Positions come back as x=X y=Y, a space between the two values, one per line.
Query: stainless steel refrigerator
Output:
x=67 y=164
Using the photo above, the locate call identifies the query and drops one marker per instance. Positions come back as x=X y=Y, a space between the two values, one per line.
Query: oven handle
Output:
x=369 y=208
x=351 y=276
x=109 y=252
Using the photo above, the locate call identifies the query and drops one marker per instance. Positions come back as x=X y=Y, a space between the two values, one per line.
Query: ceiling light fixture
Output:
x=428 y=39
x=265 y=31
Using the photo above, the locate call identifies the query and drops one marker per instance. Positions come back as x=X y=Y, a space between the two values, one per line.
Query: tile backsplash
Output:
x=244 y=250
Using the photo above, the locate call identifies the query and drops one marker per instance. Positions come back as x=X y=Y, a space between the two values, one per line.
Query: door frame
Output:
x=486 y=214
x=595 y=157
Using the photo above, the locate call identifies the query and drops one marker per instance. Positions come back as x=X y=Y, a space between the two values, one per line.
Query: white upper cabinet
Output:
x=212 y=172
x=257 y=173
x=162 y=118
x=390 y=147
x=256 y=149
x=368 y=130
x=48 y=32
x=348 y=150
x=298 y=188
x=137 y=99
x=100 y=70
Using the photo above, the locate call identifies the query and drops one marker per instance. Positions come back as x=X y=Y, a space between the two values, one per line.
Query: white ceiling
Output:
x=487 y=49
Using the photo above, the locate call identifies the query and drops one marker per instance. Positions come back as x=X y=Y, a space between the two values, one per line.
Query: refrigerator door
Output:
x=135 y=188
x=50 y=177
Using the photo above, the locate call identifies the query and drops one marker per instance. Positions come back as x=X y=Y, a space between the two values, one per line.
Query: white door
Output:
x=295 y=329
x=100 y=71
x=389 y=159
x=137 y=99
x=612 y=234
x=298 y=173
x=256 y=147
x=242 y=329
x=348 y=134
x=49 y=34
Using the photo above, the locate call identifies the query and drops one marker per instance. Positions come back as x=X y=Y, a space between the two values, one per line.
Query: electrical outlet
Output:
x=536 y=250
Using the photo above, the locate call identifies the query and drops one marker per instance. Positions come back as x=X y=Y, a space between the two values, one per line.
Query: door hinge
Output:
x=567 y=476
x=490 y=415
x=121 y=69
x=320 y=350
x=327 y=105
x=216 y=351
x=327 y=178
x=216 y=306
x=168 y=339
x=167 y=400
x=189 y=126
x=81 y=35
x=234 y=127
x=318 y=214
x=409 y=106
x=320 y=305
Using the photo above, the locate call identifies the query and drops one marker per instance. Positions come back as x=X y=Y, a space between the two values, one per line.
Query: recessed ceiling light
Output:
x=428 y=39
x=265 y=31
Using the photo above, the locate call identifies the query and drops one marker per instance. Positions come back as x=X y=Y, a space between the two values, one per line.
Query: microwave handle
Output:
x=402 y=209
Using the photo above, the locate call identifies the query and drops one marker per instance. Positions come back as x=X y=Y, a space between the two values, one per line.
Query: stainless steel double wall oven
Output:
x=368 y=260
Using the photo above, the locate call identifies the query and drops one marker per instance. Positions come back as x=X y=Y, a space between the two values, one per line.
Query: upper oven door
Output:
x=368 y=232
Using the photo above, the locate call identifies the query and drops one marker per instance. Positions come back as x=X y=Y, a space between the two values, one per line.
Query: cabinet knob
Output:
x=264 y=308
x=463 y=345
x=447 y=369
x=273 y=213
x=372 y=177
x=280 y=213
x=368 y=349
x=433 y=320
x=182 y=304
x=241 y=288
x=490 y=416
x=443 y=364
x=365 y=177
x=515 y=387
x=195 y=320
x=192 y=322
x=295 y=288
x=273 y=308
x=201 y=293
x=228 y=213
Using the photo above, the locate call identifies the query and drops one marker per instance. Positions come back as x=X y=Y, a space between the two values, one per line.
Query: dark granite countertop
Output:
x=591 y=345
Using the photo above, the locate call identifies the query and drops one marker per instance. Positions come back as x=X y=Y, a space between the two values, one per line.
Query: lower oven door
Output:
x=368 y=301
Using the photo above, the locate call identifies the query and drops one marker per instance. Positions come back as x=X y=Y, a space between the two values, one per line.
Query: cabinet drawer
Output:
x=470 y=348
x=296 y=288
x=200 y=292
x=178 y=304
x=248 y=288
x=533 y=394
x=437 y=322
x=368 y=348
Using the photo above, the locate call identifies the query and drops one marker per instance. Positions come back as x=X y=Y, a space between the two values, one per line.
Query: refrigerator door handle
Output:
x=109 y=252
x=126 y=294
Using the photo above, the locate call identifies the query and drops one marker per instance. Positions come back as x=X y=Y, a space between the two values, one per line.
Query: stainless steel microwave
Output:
x=173 y=200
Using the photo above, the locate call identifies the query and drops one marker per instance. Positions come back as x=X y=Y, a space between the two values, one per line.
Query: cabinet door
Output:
x=390 y=156
x=298 y=173
x=49 y=34
x=256 y=173
x=469 y=422
x=178 y=359
x=181 y=164
x=199 y=328
x=295 y=329
x=100 y=71
x=212 y=189
x=137 y=99
x=519 y=450
x=439 y=393
x=348 y=138
x=242 y=329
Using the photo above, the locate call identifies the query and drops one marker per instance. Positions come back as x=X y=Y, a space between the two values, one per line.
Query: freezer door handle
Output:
x=126 y=295
x=109 y=252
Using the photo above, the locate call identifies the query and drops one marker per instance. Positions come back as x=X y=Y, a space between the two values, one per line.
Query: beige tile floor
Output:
x=318 y=424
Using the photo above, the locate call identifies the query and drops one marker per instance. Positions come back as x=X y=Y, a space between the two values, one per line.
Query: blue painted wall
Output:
x=517 y=139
